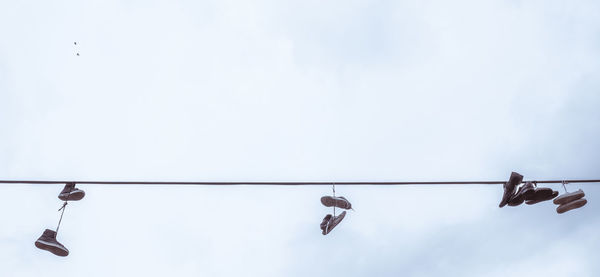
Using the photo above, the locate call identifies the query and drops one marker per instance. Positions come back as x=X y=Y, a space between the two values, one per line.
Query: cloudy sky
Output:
x=298 y=91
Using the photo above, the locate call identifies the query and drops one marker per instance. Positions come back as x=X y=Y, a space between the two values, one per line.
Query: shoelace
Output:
x=334 y=200
x=63 y=206
x=63 y=212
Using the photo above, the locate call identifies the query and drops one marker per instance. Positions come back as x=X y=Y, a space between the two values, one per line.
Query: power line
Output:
x=329 y=183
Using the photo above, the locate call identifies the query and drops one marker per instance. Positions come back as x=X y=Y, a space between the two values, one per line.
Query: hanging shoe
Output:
x=568 y=197
x=575 y=204
x=509 y=187
x=71 y=193
x=334 y=221
x=324 y=222
x=541 y=195
x=340 y=202
x=48 y=242
x=526 y=191
x=516 y=199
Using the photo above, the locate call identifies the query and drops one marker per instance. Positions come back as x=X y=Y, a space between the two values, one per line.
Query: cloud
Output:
x=302 y=90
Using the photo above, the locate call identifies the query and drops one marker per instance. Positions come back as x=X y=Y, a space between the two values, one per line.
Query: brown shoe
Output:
x=526 y=191
x=568 y=197
x=575 y=204
x=49 y=243
x=324 y=222
x=545 y=195
x=71 y=193
x=340 y=202
x=516 y=199
x=540 y=195
x=509 y=188
x=333 y=222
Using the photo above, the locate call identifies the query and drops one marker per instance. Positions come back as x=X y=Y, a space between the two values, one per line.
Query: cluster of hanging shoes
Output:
x=528 y=192
x=332 y=220
x=48 y=240
x=515 y=194
x=531 y=194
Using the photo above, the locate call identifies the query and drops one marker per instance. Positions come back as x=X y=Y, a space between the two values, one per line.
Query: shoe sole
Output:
x=329 y=201
x=571 y=206
x=569 y=197
x=52 y=248
x=72 y=196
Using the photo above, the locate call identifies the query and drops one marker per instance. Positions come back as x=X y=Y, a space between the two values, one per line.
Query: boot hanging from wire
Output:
x=48 y=240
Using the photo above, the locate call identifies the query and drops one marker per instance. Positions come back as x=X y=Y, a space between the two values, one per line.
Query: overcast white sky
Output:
x=298 y=91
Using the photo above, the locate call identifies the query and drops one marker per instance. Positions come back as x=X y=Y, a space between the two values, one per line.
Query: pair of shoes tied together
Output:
x=330 y=221
x=47 y=240
x=569 y=201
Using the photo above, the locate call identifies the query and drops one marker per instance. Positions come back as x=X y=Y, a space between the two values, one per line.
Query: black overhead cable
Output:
x=367 y=183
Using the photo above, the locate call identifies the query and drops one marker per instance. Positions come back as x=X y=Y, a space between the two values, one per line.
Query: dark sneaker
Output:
x=340 y=202
x=509 y=187
x=528 y=191
x=333 y=222
x=48 y=242
x=517 y=199
x=71 y=193
x=544 y=194
x=325 y=221
x=571 y=205
x=525 y=192
x=568 y=197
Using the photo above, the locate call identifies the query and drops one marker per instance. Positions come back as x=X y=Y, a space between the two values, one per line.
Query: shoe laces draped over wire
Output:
x=564 y=187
